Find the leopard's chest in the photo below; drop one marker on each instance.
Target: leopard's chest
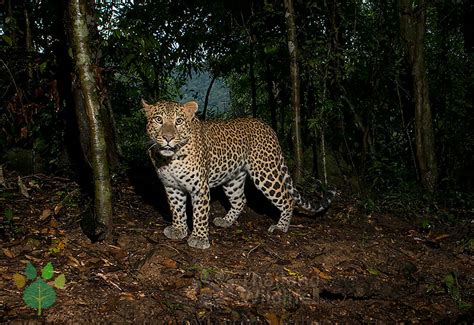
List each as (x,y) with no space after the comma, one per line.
(180,176)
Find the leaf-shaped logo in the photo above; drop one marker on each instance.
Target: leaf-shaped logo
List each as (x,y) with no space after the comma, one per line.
(60,281)
(30,271)
(19,280)
(48,271)
(39,295)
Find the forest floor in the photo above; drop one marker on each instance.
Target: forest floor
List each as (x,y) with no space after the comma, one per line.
(345,266)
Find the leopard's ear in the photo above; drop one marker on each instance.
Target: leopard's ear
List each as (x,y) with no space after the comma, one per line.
(146,107)
(190,109)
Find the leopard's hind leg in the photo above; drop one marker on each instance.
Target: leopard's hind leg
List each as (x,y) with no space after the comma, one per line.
(271,182)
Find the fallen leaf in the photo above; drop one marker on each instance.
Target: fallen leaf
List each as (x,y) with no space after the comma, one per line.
(322,275)
(169,263)
(46,213)
(58,208)
(8,253)
(373,271)
(126,296)
(206,291)
(201,314)
(272,319)
(73,261)
(190,292)
(290,272)
(57,245)
(54,223)
(32,183)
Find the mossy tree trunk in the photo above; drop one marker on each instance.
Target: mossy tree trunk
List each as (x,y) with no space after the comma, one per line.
(295,88)
(412,27)
(98,145)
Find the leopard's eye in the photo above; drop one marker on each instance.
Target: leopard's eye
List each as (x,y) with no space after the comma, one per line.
(179,121)
(158,120)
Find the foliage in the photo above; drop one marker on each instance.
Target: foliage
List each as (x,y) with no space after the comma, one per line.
(356,86)
(452,286)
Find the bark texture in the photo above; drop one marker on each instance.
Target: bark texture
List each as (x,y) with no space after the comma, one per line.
(412,27)
(295,88)
(98,146)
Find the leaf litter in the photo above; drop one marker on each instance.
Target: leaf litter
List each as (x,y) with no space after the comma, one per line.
(355,269)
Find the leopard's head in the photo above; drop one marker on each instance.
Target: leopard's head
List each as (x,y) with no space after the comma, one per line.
(169,124)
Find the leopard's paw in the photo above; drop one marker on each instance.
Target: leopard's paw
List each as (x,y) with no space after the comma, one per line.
(222,222)
(278,227)
(198,242)
(175,233)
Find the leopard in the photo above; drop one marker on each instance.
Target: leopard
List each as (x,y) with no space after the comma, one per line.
(198,155)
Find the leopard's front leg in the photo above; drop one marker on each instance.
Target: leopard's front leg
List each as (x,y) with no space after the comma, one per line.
(177,203)
(201,204)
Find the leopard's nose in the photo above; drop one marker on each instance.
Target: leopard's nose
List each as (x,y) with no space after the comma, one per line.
(168,137)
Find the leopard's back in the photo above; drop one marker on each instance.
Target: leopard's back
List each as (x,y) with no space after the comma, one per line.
(238,144)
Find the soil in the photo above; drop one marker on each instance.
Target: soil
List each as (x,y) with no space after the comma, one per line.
(343,266)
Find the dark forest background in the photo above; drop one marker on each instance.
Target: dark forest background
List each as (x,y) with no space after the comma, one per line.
(357,72)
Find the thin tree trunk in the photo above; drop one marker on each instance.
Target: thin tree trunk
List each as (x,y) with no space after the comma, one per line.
(253,84)
(271,96)
(412,26)
(29,41)
(98,146)
(323,155)
(295,88)
(206,99)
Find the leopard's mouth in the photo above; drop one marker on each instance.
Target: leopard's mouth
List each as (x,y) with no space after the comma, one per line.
(167,150)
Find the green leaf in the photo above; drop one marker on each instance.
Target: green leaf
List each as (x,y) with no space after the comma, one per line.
(373,271)
(48,271)
(30,271)
(19,280)
(39,295)
(60,281)
(204,275)
(8,213)
(449,280)
(7,39)
(42,66)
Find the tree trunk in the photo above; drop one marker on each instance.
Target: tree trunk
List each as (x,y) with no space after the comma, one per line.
(206,99)
(412,26)
(271,96)
(295,87)
(253,84)
(98,146)
(29,42)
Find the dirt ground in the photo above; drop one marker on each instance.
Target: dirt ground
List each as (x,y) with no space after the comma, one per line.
(344,266)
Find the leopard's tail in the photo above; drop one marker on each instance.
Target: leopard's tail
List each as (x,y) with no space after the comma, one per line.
(303,204)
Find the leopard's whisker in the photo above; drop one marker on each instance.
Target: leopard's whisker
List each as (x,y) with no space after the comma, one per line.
(154,144)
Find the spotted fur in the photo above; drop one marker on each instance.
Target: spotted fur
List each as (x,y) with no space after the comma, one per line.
(202,155)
